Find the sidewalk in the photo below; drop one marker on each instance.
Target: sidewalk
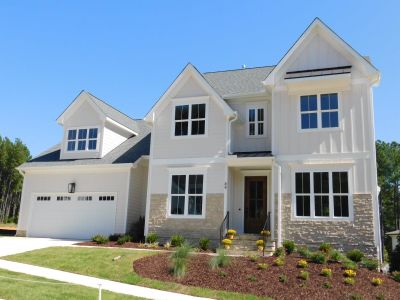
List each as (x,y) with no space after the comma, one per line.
(112,286)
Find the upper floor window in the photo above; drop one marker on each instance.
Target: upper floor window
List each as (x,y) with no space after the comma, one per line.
(187,195)
(322,194)
(255,122)
(190,119)
(319,111)
(82,139)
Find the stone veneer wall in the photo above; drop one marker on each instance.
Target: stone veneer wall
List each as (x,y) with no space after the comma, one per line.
(344,235)
(190,228)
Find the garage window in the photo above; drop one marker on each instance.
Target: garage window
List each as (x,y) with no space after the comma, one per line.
(63,198)
(84,198)
(106,198)
(43,198)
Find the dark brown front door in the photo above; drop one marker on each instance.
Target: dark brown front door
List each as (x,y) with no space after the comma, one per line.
(255,203)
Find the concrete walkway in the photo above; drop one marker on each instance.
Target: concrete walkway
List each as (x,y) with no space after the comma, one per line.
(112,286)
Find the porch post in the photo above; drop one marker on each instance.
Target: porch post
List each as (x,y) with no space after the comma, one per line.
(279,187)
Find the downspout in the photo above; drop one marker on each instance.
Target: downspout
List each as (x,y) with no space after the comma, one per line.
(279,205)
(235,117)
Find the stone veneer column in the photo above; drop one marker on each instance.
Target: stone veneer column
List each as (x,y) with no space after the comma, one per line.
(344,235)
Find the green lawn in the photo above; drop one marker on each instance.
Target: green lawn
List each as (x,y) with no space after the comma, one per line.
(19,288)
(99,263)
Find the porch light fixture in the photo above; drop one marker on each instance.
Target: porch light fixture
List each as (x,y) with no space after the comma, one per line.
(71,187)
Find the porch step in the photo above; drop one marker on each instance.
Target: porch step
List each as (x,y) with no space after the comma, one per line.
(247,242)
(232,252)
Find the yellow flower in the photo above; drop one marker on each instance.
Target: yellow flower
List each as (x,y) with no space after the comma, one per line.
(226,242)
(376,281)
(260,243)
(302,263)
(349,273)
(231,232)
(265,232)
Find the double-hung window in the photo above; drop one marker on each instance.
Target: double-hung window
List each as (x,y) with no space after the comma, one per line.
(82,139)
(256,121)
(319,111)
(322,194)
(190,119)
(187,195)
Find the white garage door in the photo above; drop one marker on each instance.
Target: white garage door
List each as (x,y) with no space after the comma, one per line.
(74,216)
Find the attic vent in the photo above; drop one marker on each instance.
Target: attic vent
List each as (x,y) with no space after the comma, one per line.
(318,72)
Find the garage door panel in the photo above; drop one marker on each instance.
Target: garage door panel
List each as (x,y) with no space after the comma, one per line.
(72,218)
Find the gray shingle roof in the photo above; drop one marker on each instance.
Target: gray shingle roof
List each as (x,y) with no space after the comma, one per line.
(113,113)
(238,82)
(128,152)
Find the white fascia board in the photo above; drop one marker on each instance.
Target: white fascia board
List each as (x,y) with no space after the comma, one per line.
(322,28)
(121,126)
(75,104)
(52,169)
(182,77)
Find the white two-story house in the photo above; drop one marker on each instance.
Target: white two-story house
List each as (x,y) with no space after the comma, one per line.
(289,146)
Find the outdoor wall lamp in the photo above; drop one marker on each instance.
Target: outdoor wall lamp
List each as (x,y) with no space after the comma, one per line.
(71,187)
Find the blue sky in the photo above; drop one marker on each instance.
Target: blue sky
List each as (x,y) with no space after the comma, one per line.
(128,52)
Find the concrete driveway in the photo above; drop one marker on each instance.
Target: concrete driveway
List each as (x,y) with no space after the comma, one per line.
(13,245)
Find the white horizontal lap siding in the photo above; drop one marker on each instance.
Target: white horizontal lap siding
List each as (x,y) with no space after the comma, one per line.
(87,182)
(213,144)
(111,140)
(241,142)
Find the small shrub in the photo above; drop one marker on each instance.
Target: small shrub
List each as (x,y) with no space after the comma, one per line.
(370,264)
(318,257)
(114,237)
(304,275)
(349,281)
(355,255)
(226,242)
(327,285)
(252,278)
(100,239)
(177,240)
(253,257)
(152,238)
(279,262)
(220,260)
(396,276)
(355,296)
(304,252)
(204,244)
(289,246)
(376,281)
(222,274)
(260,243)
(336,256)
(262,266)
(283,278)
(231,232)
(280,251)
(349,273)
(325,247)
(302,263)
(123,239)
(326,272)
(179,260)
(167,245)
(349,264)
(380,297)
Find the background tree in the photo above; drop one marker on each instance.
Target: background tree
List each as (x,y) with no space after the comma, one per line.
(12,154)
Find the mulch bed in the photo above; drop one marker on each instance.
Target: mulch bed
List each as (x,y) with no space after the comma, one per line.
(243,276)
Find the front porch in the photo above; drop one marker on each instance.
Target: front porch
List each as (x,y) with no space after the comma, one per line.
(252,184)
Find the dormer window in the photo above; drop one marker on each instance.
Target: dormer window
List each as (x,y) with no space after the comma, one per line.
(190,119)
(82,139)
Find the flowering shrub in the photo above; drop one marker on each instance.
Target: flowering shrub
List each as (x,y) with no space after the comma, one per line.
(265,233)
(226,242)
(280,261)
(231,232)
(260,243)
(325,247)
(304,275)
(262,266)
(376,281)
(326,272)
(349,273)
(302,263)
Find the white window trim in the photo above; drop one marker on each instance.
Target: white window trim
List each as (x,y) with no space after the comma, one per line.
(319,112)
(187,172)
(190,101)
(256,122)
(87,139)
(311,170)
